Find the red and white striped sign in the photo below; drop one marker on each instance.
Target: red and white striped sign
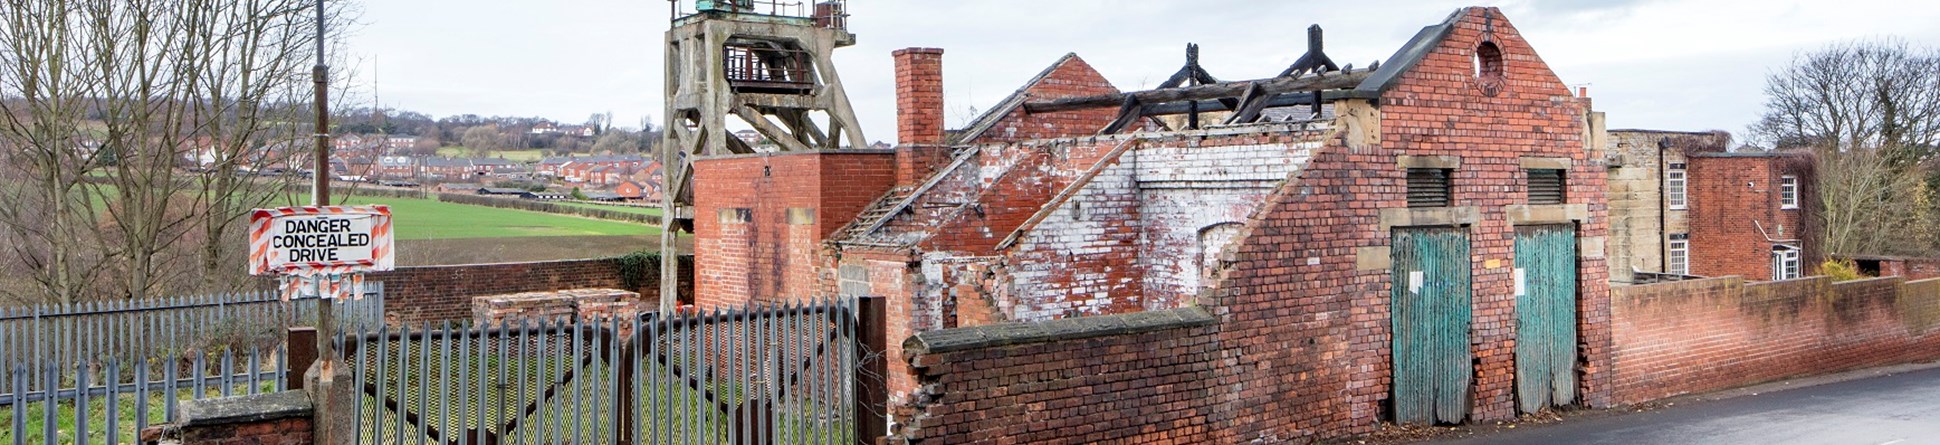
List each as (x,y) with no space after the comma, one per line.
(328,240)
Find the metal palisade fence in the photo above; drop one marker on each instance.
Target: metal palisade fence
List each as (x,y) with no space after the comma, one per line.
(785,374)
(100,372)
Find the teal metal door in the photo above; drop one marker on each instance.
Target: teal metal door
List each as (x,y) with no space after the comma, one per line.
(1431,314)
(1545,277)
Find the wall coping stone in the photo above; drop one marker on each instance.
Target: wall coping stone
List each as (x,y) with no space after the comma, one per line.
(1005,334)
(246,409)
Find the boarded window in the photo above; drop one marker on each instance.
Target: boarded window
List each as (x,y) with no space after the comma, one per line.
(1429,187)
(1213,241)
(1546,186)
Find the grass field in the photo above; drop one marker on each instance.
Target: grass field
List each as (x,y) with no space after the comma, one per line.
(426,219)
(510,155)
(649,211)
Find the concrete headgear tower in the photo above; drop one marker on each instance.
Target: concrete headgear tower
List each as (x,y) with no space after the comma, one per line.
(766,63)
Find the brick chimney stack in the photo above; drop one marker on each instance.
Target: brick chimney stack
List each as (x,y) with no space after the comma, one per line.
(919,96)
(919,115)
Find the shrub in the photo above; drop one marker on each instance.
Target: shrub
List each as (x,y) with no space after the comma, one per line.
(1841,270)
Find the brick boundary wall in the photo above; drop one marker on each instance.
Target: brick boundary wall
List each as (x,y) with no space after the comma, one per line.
(1145,378)
(282,418)
(1697,336)
(438,293)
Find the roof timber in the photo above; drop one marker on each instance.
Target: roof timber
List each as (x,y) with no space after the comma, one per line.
(1325,81)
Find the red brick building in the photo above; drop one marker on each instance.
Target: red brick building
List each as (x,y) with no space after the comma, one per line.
(1314,215)
(1751,215)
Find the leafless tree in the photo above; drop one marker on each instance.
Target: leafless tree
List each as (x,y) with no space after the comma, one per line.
(1866,95)
(105,105)
(1870,110)
(1871,207)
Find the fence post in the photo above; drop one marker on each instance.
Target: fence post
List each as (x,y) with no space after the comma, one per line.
(872,380)
(303,353)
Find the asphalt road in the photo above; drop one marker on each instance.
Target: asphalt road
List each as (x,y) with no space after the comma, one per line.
(1898,409)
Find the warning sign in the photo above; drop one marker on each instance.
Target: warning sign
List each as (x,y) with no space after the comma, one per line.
(320,240)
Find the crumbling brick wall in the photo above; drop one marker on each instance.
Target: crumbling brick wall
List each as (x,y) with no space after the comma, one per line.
(1706,335)
(1071,76)
(1302,297)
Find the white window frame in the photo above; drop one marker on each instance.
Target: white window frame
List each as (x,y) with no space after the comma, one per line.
(1678,257)
(1786,263)
(1675,191)
(1788,192)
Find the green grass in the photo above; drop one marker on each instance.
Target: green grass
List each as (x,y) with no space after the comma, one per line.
(648,211)
(426,219)
(510,155)
(65,416)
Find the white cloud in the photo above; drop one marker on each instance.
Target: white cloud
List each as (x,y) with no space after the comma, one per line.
(1691,64)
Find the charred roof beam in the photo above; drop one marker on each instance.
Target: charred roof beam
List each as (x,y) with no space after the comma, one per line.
(1315,60)
(1224,90)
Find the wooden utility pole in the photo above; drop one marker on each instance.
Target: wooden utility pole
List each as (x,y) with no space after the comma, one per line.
(331,403)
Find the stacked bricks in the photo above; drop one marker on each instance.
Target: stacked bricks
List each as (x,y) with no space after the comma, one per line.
(919,96)
(1697,336)
(760,221)
(555,306)
(1737,198)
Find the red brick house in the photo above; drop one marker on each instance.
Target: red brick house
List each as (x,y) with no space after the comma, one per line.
(630,190)
(1751,215)
(1455,189)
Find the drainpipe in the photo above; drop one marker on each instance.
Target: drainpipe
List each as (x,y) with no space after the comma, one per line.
(1663,205)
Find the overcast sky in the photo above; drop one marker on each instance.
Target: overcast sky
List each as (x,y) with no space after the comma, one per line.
(1677,65)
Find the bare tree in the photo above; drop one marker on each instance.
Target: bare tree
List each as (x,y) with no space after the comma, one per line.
(103,103)
(1870,207)
(1867,95)
(1870,110)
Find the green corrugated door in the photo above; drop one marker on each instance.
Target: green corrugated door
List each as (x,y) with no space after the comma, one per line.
(1432,366)
(1545,277)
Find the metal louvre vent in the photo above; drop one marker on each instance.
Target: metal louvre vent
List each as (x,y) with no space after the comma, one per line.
(1429,187)
(1546,186)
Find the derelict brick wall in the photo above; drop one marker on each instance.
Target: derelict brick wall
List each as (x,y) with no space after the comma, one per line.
(1071,77)
(438,293)
(790,202)
(1303,327)
(1295,290)
(1735,197)
(1083,257)
(1705,335)
(1143,387)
